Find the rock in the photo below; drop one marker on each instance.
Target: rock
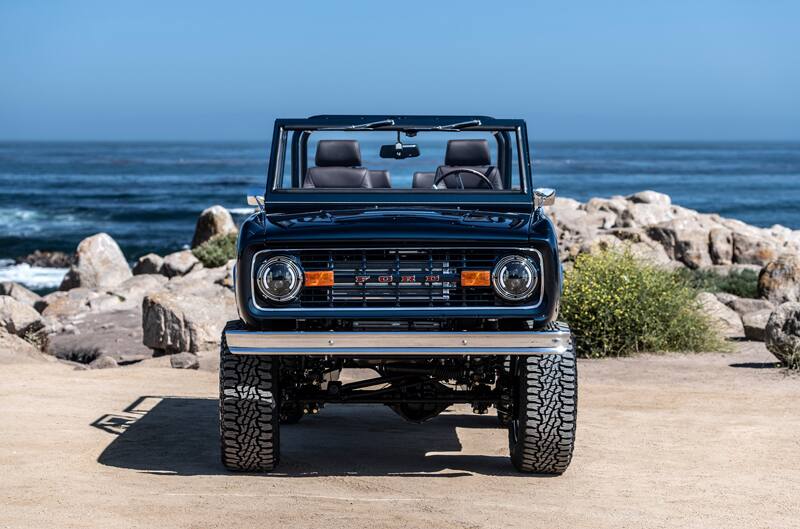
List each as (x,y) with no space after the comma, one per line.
(134,289)
(48,259)
(751,249)
(184,361)
(149,264)
(15,350)
(684,239)
(18,318)
(639,215)
(650,197)
(755,324)
(175,321)
(746,305)
(783,334)
(61,304)
(180,263)
(779,280)
(20,293)
(725,319)
(726,298)
(213,221)
(103,362)
(720,246)
(99,264)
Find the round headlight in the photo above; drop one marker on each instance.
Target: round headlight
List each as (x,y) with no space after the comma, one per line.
(514,277)
(279,278)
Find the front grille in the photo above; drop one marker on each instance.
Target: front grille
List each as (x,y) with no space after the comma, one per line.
(375,278)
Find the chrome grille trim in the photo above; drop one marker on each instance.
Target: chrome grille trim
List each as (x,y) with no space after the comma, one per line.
(394,287)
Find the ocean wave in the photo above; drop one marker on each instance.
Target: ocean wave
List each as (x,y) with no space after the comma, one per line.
(33,277)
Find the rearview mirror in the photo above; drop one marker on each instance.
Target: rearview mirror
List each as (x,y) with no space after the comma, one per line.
(399,151)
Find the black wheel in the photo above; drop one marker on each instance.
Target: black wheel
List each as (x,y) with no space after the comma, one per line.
(542,430)
(249,409)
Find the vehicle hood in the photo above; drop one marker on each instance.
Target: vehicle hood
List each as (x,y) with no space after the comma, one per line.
(375,226)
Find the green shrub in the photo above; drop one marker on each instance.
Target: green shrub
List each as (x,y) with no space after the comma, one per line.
(617,306)
(742,283)
(216,251)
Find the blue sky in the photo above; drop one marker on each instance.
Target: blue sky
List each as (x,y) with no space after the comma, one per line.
(701,70)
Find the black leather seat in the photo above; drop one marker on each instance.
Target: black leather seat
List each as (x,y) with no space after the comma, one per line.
(380,179)
(338,165)
(469,154)
(422,180)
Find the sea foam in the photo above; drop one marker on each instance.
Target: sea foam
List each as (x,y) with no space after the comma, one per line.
(33,277)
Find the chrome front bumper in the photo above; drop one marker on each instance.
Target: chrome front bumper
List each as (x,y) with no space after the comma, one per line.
(367,343)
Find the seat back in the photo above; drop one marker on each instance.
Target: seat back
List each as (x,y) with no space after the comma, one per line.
(337,166)
(380,179)
(422,180)
(469,154)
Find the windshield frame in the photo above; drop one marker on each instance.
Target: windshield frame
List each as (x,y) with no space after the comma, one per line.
(281,150)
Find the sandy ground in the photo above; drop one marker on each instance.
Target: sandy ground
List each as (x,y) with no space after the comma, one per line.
(707,441)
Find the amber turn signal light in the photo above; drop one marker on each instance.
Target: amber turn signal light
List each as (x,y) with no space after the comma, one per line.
(323,278)
(475,278)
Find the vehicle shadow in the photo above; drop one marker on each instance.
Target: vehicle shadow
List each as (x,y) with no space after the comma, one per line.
(179,435)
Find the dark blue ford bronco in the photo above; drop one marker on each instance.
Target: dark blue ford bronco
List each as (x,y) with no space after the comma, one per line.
(412,246)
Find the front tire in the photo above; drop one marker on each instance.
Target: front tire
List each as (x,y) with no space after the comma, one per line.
(249,409)
(542,429)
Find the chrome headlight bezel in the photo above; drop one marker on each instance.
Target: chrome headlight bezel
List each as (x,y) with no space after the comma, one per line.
(498,278)
(295,271)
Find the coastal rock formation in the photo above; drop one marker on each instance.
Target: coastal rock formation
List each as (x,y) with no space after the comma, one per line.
(18,318)
(99,263)
(149,264)
(745,306)
(177,321)
(180,263)
(184,361)
(783,333)
(755,324)
(213,221)
(45,259)
(650,221)
(20,293)
(725,319)
(779,281)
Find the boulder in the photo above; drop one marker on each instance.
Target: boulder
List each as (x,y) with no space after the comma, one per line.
(213,221)
(62,304)
(99,264)
(175,321)
(726,298)
(755,324)
(749,248)
(15,350)
(685,239)
(18,292)
(44,259)
(746,305)
(783,334)
(180,263)
(650,197)
(779,280)
(640,214)
(17,317)
(103,362)
(720,246)
(148,264)
(137,287)
(724,319)
(184,361)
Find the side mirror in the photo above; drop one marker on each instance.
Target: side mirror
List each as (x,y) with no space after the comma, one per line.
(543,196)
(399,151)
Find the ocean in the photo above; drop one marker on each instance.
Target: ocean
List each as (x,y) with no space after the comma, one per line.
(148,195)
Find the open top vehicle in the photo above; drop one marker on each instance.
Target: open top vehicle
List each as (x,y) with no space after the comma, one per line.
(414,246)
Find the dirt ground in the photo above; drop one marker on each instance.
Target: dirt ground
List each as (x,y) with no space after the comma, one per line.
(706,441)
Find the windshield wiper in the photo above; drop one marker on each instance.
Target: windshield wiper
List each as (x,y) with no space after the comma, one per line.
(459,126)
(374,124)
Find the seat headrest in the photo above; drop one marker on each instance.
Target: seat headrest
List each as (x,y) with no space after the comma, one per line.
(338,153)
(468,152)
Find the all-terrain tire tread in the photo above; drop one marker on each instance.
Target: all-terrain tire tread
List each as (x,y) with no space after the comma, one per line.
(248,410)
(546,413)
